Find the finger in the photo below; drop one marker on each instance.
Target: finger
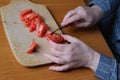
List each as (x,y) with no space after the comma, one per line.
(65,67)
(59,47)
(82,24)
(55,59)
(59,68)
(70,38)
(69,14)
(71,19)
(56,52)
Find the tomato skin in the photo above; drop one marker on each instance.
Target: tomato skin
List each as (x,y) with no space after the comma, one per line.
(32,47)
(41,29)
(25,12)
(27,24)
(39,19)
(32,26)
(34,21)
(55,37)
(31,19)
(30,16)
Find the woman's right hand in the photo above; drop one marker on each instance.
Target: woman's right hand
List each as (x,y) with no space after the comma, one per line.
(83,16)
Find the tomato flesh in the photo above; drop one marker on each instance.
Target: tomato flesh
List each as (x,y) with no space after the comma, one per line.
(35,22)
(41,29)
(31,19)
(24,12)
(55,37)
(32,47)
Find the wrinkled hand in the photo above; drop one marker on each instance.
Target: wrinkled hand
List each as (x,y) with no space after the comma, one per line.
(73,55)
(83,16)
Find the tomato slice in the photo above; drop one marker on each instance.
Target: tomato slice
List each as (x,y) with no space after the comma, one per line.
(30,16)
(32,47)
(39,19)
(41,29)
(48,34)
(55,37)
(33,23)
(24,12)
(27,24)
(32,26)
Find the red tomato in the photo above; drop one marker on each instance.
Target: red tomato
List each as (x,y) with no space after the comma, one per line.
(32,47)
(30,16)
(39,19)
(32,26)
(27,24)
(55,37)
(41,29)
(48,34)
(33,23)
(24,12)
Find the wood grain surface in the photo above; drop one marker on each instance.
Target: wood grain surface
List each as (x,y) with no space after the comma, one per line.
(10,69)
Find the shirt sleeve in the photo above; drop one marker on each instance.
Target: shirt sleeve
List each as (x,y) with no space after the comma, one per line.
(108,69)
(108,6)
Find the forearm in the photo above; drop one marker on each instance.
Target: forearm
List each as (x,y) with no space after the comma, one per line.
(94,61)
(96,13)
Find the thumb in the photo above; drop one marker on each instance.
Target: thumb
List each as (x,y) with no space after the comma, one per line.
(69,38)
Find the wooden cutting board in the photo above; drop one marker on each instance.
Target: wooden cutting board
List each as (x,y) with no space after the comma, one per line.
(20,38)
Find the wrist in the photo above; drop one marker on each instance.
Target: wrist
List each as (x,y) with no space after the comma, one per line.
(93,61)
(96,13)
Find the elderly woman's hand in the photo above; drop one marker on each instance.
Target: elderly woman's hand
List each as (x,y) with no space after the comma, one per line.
(83,16)
(73,55)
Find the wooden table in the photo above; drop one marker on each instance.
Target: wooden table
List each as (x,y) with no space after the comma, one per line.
(11,70)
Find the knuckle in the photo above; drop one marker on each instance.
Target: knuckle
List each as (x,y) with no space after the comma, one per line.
(70,12)
(83,13)
(80,8)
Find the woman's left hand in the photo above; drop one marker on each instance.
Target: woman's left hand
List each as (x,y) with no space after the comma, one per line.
(73,55)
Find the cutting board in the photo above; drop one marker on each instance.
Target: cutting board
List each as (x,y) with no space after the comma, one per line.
(19,36)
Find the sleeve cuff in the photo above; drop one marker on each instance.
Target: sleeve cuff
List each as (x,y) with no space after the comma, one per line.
(105,67)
